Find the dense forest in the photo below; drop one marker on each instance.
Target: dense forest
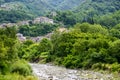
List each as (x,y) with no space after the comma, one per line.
(75,10)
(90,39)
(84,46)
(94,12)
(40,7)
(13,16)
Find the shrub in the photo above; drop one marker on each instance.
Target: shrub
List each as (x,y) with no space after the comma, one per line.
(87,64)
(4,67)
(71,61)
(97,66)
(115,67)
(58,61)
(21,67)
(16,77)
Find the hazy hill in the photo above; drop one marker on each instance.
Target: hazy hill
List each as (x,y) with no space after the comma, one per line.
(84,10)
(98,7)
(41,6)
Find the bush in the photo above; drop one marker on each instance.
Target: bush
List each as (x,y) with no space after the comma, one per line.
(21,67)
(4,67)
(71,61)
(16,77)
(87,64)
(115,67)
(97,66)
(58,61)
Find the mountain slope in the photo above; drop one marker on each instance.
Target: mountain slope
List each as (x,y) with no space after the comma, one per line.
(64,4)
(94,12)
(102,6)
(84,10)
(40,7)
(92,9)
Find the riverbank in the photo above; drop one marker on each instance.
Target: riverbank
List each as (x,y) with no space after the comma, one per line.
(50,72)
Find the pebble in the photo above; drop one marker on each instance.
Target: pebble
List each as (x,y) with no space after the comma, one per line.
(50,72)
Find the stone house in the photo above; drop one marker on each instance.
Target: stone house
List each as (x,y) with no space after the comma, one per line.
(43,20)
(23,23)
(7,25)
(21,37)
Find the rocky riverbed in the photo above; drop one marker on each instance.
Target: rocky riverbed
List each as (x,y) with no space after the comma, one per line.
(50,72)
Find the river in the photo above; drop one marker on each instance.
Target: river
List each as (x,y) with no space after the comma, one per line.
(50,72)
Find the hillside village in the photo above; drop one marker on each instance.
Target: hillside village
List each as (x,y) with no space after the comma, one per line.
(27,22)
(22,38)
(38,38)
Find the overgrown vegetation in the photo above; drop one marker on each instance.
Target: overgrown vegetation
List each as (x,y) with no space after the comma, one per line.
(11,67)
(16,77)
(13,16)
(91,41)
(34,30)
(84,46)
(39,7)
(70,18)
(92,11)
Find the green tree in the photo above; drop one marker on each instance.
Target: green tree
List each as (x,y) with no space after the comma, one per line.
(115,31)
(8,48)
(114,50)
(45,45)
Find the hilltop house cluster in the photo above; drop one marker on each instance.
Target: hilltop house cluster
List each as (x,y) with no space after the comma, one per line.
(27,22)
(22,38)
(43,20)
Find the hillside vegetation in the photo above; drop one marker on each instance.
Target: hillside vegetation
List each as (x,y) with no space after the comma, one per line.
(102,12)
(90,38)
(39,7)
(13,16)
(81,11)
(11,67)
(84,46)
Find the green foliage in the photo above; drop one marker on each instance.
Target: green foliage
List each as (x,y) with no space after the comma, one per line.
(39,7)
(28,43)
(37,52)
(5,16)
(71,61)
(66,18)
(109,20)
(91,11)
(9,61)
(8,48)
(115,31)
(90,46)
(45,45)
(115,67)
(84,46)
(16,77)
(114,50)
(104,12)
(37,29)
(100,12)
(86,27)
(21,67)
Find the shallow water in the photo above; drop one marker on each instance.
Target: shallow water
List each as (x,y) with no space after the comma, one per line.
(50,72)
